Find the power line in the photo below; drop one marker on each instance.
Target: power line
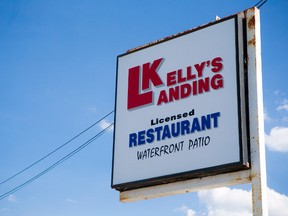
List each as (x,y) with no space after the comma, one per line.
(56,164)
(41,159)
(260,3)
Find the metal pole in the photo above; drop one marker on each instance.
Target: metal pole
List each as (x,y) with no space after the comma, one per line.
(257,142)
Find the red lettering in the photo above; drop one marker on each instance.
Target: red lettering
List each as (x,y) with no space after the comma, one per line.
(216,64)
(135,99)
(185,90)
(203,85)
(150,74)
(190,76)
(171,78)
(140,93)
(217,81)
(162,98)
(194,86)
(200,68)
(179,76)
(174,93)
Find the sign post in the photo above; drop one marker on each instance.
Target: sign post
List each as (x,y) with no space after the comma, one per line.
(189,113)
(256,113)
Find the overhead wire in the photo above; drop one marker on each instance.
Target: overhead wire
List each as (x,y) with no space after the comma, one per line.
(260,3)
(56,163)
(52,152)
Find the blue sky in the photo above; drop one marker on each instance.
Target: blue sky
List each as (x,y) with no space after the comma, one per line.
(57,77)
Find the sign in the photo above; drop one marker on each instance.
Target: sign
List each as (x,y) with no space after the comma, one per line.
(180,108)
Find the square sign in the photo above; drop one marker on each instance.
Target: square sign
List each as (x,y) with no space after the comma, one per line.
(180,109)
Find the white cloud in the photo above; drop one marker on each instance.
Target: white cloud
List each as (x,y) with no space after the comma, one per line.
(11,198)
(190,212)
(279,93)
(226,201)
(236,202)
(104,124)
(277,140)
(266,116)
(71,201)
(283,107)
(278,203)
(187,211)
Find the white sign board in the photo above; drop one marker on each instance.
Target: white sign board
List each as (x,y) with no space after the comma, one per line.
(179,109)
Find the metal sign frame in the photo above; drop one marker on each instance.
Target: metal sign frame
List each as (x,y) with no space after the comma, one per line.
(229,137)
(250,20)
